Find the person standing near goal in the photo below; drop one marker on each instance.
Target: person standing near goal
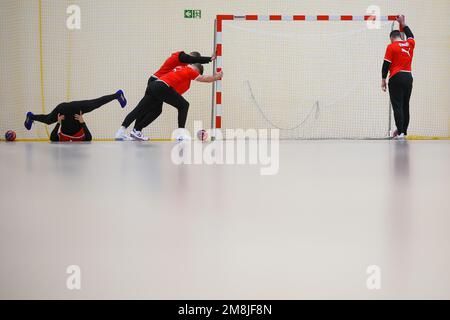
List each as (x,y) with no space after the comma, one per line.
(177,59)
(169,89)
(397,62)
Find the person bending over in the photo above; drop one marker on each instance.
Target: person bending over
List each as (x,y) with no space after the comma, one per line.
(83,134)
(177,59)
(397,62)
(169,89)
(69,117)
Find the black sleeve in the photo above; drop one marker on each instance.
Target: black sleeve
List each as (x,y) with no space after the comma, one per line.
(385,69)
(408,32)
(54,135)
(185,58)
(87,133)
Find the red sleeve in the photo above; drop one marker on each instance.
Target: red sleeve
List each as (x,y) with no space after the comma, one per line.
(412,42)
(389,54)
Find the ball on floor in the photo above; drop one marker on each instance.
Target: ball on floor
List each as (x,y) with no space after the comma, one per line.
(10,135)
(202,135)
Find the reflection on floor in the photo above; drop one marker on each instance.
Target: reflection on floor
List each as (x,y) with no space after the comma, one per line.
(140,226)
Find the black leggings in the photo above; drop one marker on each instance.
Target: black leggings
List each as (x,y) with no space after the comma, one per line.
(157,93)
(69,125)
(140,111)
(400,89)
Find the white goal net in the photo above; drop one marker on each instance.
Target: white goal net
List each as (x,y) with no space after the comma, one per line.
(310,79)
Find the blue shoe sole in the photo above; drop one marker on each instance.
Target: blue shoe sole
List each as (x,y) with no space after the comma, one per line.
(121,99)
(28,122)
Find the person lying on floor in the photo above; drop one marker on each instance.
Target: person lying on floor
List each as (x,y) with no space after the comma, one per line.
(69,117)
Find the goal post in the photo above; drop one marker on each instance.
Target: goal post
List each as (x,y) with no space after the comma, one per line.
(311,76)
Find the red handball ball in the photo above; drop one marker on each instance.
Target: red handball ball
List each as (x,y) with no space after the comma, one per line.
(202,135)
(10,135)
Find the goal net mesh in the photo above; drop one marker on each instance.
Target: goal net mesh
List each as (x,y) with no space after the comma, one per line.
(310,79)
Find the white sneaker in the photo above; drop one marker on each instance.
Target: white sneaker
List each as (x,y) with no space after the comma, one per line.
(138,135)
(183,137)
(181,134)
(394,133)
(400,137)
(121,134)
(126,137)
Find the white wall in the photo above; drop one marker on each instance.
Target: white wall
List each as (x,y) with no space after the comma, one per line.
(122,42)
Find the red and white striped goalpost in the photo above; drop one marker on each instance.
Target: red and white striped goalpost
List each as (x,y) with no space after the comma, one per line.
(217,108)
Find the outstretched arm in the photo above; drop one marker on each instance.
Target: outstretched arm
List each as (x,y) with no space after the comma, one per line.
(402,21)
(186,58)
(408,32)
(208,78)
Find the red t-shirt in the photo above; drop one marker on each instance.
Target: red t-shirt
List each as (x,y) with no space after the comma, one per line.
(171,63)
(180,78)
(79,136)
(400,55)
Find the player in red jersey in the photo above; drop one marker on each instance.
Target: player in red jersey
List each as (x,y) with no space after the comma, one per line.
(169,89)
(181,59)
(177,59)
(69,117)
(397,62)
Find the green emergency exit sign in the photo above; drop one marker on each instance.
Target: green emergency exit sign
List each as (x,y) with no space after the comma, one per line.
(192,14)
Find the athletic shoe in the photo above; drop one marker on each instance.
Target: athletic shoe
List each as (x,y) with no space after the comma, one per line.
(28,121)
(181,134)
(183,137)
(121,98)
(395,133)
(121,135)
(400,137)
(127,137)
(138,135)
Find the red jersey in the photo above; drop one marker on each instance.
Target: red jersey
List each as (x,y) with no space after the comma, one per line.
(180,78)
(79,136)
(400,55)
(171,63)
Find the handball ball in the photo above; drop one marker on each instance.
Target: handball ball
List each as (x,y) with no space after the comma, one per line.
(10,135)
(202,135)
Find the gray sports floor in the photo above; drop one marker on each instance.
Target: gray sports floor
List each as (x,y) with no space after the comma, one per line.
(140,227)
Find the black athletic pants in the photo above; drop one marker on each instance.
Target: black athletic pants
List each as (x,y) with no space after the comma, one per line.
(139,112)
(71,126)
(156,94)
(400,89)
